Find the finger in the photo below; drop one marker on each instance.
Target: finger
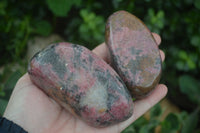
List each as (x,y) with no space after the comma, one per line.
(162,54)
(102,51)
(143,105)
(157,38)
(23,82)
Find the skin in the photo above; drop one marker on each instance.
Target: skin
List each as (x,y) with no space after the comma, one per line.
(33,110)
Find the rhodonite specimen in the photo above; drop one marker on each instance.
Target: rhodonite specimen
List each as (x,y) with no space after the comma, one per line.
(134,53)
(82,83)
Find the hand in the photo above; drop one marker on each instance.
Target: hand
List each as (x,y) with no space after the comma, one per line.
(33,110)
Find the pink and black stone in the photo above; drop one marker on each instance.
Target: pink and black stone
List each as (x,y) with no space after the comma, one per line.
(82,83)
(134,53)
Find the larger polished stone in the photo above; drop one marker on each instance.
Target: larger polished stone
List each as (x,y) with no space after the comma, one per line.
(134,53)
(82,83)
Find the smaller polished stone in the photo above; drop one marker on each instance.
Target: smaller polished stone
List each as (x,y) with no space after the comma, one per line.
(134,53)
(82,83)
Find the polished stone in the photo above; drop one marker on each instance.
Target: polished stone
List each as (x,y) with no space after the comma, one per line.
(134,53)
(82,83)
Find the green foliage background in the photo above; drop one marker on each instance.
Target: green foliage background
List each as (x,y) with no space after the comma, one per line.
(83,22)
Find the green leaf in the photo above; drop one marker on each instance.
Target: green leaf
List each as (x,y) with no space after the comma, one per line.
(61,7)
(129,129)
(173,119)
(140,121)
(43,28)
(155,20)
(187,61)
(191,64)
(182,116)
(3,5)
(144,129)
(183,55)
(149,127)
(92,27)
(190,87)
(170,124)
(191,122)
(195,41)
(116,3)
(3,104)
(155,111)
(2,93)
(181,65)
(197,4)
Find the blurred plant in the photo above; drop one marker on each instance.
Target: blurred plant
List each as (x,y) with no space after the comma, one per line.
(19,20)
(92,28)
(186,61)
(190,87)
(62,7)
(8,78)
(155,21)
(172,123)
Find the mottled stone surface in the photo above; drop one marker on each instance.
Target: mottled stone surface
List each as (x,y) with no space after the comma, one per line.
(134,53)
(82,83)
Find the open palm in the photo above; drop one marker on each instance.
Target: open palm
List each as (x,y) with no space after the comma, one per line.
(33,110)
